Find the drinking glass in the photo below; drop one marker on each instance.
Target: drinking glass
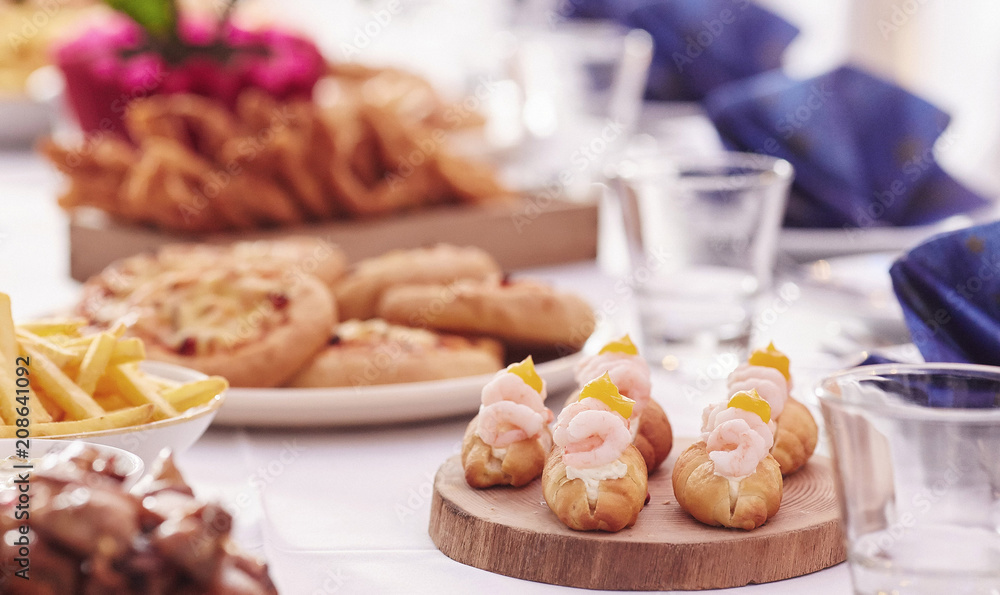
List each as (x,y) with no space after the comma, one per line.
(702,239)
(917,453)
(580,94)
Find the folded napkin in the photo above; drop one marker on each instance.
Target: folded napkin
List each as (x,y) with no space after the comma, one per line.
(949,288)
(698,44)
(861,147)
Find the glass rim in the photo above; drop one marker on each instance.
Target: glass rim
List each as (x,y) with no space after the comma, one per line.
(759,165)
(930,414)
(605,31)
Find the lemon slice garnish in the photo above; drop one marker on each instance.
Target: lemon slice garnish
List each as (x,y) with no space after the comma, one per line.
(752,402)
(770,358)
(525,369)
(606,392)
(623,345)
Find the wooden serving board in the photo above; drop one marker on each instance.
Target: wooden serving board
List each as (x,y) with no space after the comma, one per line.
(533,232)
(511,531)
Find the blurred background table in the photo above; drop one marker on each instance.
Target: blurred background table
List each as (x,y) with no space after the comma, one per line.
(346,510)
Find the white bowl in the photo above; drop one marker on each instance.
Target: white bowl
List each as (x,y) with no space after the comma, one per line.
(176,433)
(126,464)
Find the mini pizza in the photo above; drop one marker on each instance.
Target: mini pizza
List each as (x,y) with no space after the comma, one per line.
(359,292)
(106,296)
(298,255)
(362,353)
(522,313)
(246,324)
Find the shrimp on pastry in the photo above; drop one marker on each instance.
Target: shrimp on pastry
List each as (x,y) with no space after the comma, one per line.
(728,478)
(506,443)
(594,478)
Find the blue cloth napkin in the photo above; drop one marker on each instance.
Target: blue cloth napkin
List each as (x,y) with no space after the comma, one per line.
(949,289)
(861,147)
(697,44)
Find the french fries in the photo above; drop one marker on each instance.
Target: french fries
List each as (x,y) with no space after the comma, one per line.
(65,382)
(95,362)
(57,326)
(8,342)
(138,391)
(194,393)
(132,416)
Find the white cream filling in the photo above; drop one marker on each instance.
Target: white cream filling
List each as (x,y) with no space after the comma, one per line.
(498,453)
(593,476)
(634,426)
(734,488)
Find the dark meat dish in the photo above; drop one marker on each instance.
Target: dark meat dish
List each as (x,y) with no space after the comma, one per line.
(89,535)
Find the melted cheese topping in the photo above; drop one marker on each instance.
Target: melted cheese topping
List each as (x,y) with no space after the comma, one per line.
(200,314)
(377,331)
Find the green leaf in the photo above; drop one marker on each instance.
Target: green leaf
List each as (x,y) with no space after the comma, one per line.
(158,17)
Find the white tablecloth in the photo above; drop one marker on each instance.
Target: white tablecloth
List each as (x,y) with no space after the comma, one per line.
(346,510)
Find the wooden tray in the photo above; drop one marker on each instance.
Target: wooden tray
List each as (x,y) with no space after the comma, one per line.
(537,231)
(511,531)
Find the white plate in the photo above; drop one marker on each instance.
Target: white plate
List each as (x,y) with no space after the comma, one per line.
(129,465)
(23,121)
(859,288)
(374,405)
(805,244)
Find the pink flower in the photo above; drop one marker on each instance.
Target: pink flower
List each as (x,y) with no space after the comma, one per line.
(109,65)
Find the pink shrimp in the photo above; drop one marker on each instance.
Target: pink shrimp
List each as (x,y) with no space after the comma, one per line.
(708,416)
(715,415)
(503,423)
(769,383)
(752,419)
(591,437)
(735,448)
(559,432)
(630,373)
(510,387)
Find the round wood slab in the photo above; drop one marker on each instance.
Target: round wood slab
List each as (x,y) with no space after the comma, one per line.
(511,531)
